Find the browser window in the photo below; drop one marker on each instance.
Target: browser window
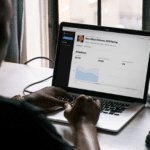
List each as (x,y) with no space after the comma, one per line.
(108,62)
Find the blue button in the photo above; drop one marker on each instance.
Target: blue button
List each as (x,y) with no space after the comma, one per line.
(67,38)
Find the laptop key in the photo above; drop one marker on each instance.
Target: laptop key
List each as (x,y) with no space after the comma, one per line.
(105,112)
(65,99)
(111,113)
(116,114)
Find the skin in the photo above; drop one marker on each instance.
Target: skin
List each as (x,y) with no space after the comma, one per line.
(83,116)
(84,113)
(46,98)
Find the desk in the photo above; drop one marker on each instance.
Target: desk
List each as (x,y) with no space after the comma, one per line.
(14,77)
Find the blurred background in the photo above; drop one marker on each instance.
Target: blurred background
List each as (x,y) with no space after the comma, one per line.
(114,13)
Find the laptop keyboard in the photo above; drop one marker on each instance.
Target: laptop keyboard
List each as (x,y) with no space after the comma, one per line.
(107,107)
(113,108)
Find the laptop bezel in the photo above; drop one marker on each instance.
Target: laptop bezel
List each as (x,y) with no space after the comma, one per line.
(99,94)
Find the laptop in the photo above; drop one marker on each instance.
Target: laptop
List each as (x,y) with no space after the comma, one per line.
(109,64)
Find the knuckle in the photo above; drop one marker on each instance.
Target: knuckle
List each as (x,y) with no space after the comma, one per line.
(82,96)
(89,98)
(98,102)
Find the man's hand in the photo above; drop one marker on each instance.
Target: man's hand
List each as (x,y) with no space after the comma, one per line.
(46,98)
(83,116)
(84,109)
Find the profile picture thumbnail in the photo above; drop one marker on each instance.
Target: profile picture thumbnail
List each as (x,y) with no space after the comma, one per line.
(80,38)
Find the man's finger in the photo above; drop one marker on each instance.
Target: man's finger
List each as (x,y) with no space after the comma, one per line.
(61,92)
(67,110)
(98,102)
(67,107)
(58,102)
(79,100)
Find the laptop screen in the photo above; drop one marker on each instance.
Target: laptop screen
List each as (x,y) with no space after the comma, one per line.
(102,61)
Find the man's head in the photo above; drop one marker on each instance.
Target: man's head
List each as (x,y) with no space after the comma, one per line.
(5,18)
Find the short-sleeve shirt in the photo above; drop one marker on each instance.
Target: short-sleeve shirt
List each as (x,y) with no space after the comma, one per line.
(24,126)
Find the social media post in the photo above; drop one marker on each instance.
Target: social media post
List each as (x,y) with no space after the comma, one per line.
(108,68)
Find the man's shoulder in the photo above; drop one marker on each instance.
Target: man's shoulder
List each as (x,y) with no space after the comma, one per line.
(9,105)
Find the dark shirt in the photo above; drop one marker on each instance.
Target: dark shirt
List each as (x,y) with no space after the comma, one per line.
(23,126)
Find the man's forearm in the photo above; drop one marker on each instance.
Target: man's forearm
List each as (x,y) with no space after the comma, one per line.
(86,137)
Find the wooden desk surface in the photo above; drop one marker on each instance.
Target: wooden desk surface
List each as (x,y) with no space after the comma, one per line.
(14,78)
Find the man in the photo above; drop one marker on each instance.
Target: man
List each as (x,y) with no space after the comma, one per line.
(22,125)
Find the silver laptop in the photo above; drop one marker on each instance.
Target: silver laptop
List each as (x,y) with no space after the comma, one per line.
(106,63)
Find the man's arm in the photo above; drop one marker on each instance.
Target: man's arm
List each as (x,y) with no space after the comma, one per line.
(86,137)
(84,116)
